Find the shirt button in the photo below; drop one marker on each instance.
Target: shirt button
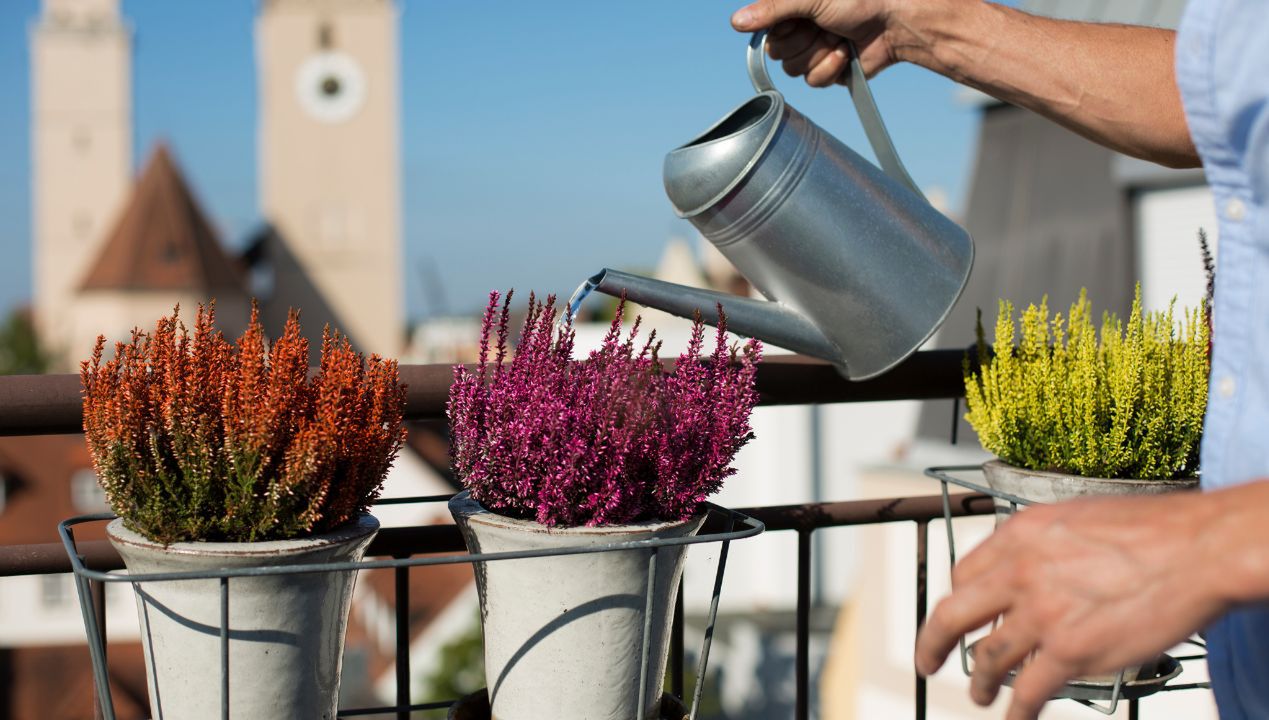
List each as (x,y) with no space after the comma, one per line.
(1226,387)
(1235,210)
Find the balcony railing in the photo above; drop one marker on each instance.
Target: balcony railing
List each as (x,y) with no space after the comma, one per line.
(44,404)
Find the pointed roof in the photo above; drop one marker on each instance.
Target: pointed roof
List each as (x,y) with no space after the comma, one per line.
(163,240)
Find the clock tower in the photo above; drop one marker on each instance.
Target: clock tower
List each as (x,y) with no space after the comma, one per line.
(329,178)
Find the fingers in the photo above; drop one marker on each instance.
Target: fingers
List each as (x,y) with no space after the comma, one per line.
(830,69)
(1001,546)
(1036,685)
(765,13)
(996,655)
(808,51)
(809,60)
(795,38)
(964,610)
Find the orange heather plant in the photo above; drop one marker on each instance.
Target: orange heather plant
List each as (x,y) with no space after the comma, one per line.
(198,438)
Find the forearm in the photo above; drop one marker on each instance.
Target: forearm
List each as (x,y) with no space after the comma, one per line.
(1114,84)
(1237,545)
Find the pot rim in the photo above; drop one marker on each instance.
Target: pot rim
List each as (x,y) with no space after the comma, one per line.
(1178,482)
(477,514)
(361,526)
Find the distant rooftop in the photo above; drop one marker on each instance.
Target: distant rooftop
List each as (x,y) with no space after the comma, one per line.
(1157,13)
(163,240)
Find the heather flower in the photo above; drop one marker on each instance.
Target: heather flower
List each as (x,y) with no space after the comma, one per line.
(611,440)
(1123,400)
(198,438)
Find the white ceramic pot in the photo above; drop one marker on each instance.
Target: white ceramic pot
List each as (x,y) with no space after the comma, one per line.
(286,632)
(1039,486)
(564,635)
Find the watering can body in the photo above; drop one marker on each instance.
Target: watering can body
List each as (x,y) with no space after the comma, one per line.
(857,267)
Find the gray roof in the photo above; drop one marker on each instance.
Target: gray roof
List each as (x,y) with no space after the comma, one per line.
(1158,13)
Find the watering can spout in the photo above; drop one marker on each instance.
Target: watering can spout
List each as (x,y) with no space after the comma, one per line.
(768,321)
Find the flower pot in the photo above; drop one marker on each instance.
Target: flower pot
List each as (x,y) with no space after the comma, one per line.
(1039,486)
(564,634)
(286,632)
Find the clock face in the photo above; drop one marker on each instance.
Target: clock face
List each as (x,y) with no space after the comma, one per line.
(330,86)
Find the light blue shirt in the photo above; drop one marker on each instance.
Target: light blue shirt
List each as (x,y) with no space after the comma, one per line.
(1222,67)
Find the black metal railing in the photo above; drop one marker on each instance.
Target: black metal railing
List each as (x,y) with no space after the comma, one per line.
(44,404)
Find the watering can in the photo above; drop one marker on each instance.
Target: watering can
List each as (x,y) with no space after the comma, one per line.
(856,265)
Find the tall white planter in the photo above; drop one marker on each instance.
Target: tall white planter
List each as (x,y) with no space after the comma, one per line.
(286,632)
(564,634)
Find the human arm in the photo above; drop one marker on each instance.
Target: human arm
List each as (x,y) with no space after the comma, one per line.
(1094,585)
(1113,84)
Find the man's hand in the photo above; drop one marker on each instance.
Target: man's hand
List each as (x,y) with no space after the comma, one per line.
(1113,84)
(810,35)
(1090,587)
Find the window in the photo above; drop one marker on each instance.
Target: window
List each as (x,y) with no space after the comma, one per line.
(86,494)
(55,590)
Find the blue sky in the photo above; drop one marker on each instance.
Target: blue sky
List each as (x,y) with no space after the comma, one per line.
(532,133)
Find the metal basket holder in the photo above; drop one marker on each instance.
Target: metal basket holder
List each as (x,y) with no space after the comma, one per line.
(737,527)
(1090,694)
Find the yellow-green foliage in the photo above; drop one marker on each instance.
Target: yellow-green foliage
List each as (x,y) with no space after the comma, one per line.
(1127,403)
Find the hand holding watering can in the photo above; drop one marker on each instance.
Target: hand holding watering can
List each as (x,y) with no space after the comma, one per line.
(809,36)
(857,267)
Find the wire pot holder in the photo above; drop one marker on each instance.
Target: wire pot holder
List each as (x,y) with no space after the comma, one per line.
(1101,696)
(735,526)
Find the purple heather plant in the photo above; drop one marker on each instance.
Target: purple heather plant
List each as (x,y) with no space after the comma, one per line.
(612,440)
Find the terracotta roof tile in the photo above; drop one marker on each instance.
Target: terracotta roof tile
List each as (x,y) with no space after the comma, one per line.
(57,682)
(163,240)
(38,473)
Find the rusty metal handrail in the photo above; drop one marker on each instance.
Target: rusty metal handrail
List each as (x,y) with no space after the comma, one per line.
(50,404)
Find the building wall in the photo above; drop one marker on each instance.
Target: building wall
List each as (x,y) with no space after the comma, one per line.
(81,128)
(114,313)
(329,174)
(1166,222)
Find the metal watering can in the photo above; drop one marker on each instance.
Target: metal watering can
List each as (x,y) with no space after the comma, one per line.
(856,265)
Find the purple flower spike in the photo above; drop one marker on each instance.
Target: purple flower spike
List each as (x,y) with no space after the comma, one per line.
(610,440)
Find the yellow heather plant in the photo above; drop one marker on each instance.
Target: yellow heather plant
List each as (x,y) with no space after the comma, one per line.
(1125,402)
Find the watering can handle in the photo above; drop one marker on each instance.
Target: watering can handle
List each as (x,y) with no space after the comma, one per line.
(869,116)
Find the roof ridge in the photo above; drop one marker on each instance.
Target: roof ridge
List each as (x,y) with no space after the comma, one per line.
(162,239)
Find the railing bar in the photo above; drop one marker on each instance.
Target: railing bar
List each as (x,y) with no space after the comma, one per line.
(104,704)
(752,527)
(922,603)
(390,709)
(708,640)
(44,558)
(676,645)
(98,589)
(1172,687)
(224,648)
(803,668)
(647,630)
(46,404)
(401,577)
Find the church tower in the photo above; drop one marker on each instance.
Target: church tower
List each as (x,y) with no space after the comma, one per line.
(329,168)
(81,151)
